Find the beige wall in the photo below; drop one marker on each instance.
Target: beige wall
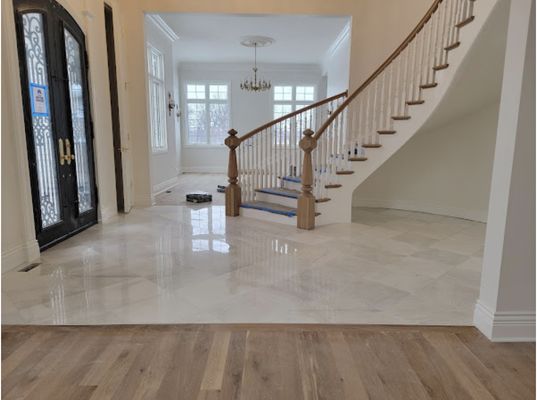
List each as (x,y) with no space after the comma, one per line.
(445,170)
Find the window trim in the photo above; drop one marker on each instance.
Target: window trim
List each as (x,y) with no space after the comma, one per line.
(153,78)
(184,97)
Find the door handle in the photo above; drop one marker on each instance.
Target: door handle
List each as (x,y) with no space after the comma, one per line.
(61,151)
(68,156)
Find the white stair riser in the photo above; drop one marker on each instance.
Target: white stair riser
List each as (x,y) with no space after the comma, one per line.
(272,198)
(292,185)
(267,216)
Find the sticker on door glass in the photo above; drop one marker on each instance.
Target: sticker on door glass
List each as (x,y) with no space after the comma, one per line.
(39,100)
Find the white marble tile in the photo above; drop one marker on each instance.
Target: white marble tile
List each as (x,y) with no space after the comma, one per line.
(177,263)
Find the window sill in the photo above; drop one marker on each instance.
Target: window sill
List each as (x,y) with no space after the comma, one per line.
(157,152)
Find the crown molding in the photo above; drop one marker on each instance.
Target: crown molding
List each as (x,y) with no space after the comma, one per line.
(163,26)
(339,39)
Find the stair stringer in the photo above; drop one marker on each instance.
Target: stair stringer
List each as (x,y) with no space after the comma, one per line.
(339,209)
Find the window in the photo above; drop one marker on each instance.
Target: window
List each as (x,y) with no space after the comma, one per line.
(157,99)
(207,109)
(290,98)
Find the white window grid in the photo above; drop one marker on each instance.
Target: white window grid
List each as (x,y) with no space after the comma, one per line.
(206,98)
(157,99)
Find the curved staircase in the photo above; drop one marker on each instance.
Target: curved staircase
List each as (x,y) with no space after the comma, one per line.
(302,168)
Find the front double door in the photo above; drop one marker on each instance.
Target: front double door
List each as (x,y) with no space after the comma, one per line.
(53,69)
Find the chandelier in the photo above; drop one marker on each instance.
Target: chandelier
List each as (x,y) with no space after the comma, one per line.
(254,85)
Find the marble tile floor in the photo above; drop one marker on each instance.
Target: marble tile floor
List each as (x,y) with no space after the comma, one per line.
(181,264)
(188,183)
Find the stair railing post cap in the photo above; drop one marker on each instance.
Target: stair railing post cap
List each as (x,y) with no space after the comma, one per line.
(308,143)
(232,141)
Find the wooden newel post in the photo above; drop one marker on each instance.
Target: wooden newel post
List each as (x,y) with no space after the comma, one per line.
(233,190)
(306,200)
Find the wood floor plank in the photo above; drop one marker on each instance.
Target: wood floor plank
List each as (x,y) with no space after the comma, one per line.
(352,385)
(80,353)
(444,344)
(256,362)
(394,370)
(231,385)
(433,372)
(509,361)
(317,357)
(214,371)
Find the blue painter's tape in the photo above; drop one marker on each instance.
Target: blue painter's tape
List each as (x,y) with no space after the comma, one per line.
(295,179)
(268,209)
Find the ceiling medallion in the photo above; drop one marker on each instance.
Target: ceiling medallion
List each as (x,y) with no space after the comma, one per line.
(253,85)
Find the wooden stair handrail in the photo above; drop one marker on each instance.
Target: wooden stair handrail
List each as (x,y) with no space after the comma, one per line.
(379,70)
(292,114)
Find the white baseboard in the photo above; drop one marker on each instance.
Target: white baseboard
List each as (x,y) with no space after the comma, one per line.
(20,255)
(474,215)
(163,186)
(204,170)
(107,214)
(505,326)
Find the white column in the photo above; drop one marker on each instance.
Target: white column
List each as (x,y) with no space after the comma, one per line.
(505,310)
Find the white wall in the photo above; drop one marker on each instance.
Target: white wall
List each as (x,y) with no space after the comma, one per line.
(444,170)
(336,63)
(505,310)
(248,110)
(165,166)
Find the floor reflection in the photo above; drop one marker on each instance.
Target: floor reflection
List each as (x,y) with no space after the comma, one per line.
(180,264)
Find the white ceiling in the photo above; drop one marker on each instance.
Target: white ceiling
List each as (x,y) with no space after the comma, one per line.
(299,39)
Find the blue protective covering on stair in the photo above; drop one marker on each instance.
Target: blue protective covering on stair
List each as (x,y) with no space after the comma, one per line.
(254,206)
(279,192)
(295,179)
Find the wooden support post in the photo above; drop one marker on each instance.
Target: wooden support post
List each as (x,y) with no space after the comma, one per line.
(306,200)
(233,190)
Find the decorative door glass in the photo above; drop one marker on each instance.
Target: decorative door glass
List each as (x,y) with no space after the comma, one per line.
(76,96)
(45,156)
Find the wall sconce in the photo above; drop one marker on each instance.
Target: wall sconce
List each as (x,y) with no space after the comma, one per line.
(171,104)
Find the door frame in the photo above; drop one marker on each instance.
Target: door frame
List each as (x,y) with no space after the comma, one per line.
(114,105)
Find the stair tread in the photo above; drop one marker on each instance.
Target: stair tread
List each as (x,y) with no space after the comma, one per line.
(429,85)
(270,207)
(440,67)
(465,22)
(452,46)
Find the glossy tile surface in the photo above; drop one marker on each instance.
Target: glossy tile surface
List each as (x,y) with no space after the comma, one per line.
(186,264)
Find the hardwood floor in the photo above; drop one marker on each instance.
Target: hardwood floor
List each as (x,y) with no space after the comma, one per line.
(274,362)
